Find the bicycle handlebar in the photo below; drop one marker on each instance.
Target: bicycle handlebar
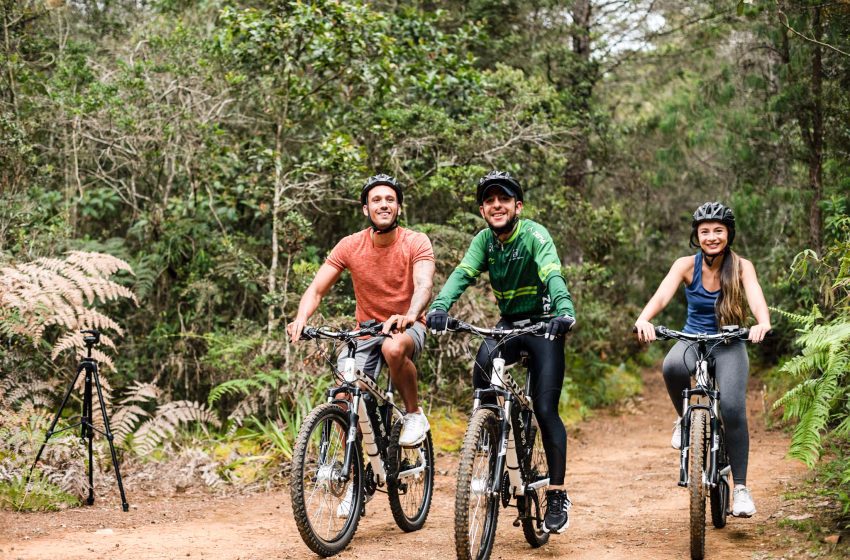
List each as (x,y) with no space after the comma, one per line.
(369,328)
(733,333)
(457,325)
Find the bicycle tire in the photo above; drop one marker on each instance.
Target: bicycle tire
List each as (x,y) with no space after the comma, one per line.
(410,514)
(477,457)
(696,486)
(532,502)
(312,475)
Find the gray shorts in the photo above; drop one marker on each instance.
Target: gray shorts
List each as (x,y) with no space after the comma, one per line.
(368,357)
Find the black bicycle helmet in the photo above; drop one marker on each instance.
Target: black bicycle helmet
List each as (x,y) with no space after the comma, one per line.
(713,212)
(381,179)
(502,179)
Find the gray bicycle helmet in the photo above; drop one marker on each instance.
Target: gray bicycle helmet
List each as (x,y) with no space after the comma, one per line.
(501,178)
(381,179)
(713,212)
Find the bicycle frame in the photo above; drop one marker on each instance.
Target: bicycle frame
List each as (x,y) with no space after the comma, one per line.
(705,390)
(506,391)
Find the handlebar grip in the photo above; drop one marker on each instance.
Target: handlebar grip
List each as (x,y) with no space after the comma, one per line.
(452,323)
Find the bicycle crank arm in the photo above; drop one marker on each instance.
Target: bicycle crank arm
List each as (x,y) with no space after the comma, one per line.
(539,484)
(411,472)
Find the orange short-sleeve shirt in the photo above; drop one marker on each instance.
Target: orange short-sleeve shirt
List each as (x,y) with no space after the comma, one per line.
(382,276)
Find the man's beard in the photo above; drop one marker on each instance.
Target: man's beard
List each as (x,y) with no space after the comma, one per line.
(509,225)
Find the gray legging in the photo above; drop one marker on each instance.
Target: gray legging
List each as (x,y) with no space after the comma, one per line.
(732,370)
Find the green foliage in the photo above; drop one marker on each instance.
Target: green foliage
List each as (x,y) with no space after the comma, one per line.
(39,495)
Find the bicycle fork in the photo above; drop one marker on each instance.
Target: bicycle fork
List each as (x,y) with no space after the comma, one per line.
(713,398)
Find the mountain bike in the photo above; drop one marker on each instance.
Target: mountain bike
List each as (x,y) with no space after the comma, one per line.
(328,482)
(704,463)
(502,457)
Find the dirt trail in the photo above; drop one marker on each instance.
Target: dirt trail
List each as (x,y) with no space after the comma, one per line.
(621,474)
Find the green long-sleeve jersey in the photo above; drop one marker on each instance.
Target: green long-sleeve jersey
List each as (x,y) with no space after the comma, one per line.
(525,273)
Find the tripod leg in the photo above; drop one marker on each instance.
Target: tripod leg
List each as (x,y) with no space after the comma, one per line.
(53,423)
(109,437)
(88,429)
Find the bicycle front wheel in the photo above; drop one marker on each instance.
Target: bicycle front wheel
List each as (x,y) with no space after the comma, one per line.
(476,506)
(696,482)
(325,503)
(410,483)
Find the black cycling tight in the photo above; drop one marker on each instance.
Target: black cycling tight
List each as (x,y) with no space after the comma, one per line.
(546,365)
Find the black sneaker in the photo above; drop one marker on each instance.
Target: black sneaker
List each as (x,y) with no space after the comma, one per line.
(557,512)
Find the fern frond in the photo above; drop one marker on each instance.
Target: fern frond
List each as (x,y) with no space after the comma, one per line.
(98,264)
(168,418)
(805,320)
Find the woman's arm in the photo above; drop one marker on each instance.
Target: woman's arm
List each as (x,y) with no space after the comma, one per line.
(755,299)
(663,295)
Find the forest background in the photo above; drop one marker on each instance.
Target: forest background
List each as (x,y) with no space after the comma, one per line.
(218,147)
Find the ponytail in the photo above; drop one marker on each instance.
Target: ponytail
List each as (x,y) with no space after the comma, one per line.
(729,308)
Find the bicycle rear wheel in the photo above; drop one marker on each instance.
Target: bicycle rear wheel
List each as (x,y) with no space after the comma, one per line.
(719,495)
(326,508)
(696,482)
(531,505)
(476,508)
(410,483)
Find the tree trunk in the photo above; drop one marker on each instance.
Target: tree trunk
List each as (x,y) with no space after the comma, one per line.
(276,203)
(582,86)
(816,139)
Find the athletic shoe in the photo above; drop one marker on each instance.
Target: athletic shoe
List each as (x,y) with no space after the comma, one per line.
(742,505)
(414,430)
(558,506)
(344,507)
(676,440)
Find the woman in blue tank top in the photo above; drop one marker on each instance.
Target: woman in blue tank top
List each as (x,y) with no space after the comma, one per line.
(717,282)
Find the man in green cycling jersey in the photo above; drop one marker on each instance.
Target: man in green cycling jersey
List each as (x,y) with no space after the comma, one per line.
(525,274)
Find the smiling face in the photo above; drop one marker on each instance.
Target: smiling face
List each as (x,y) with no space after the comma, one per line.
(498,209)
(713,237)
(381,206)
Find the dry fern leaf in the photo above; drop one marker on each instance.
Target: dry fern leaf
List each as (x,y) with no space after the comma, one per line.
(168,418)
(98,264)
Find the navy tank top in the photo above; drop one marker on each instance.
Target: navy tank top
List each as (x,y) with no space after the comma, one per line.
(701,318)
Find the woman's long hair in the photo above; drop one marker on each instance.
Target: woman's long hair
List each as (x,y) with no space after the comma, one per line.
(729,308)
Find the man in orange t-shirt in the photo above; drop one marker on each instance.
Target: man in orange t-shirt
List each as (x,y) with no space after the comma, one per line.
(392,269)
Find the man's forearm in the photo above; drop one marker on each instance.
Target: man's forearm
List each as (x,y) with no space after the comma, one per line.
(423,281)
(419,301)
(308,305)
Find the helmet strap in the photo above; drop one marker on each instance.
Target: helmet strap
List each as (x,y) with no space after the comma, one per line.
(386,229)
(389,228)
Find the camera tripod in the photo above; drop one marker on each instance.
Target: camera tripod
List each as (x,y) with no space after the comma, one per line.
(87,429)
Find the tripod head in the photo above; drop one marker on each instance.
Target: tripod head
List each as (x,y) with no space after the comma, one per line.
(91,339)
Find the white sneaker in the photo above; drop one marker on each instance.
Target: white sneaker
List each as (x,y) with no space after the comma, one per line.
(344,507)
(676,440)
(742,502)
(415,428)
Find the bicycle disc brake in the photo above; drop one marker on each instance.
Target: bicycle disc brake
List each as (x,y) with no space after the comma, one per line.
(506,490)
(370,484)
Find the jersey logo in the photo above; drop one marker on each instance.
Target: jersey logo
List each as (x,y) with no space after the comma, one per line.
(547,304)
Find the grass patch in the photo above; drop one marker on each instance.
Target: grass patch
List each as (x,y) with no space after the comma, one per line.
(448,426)
(41,495)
